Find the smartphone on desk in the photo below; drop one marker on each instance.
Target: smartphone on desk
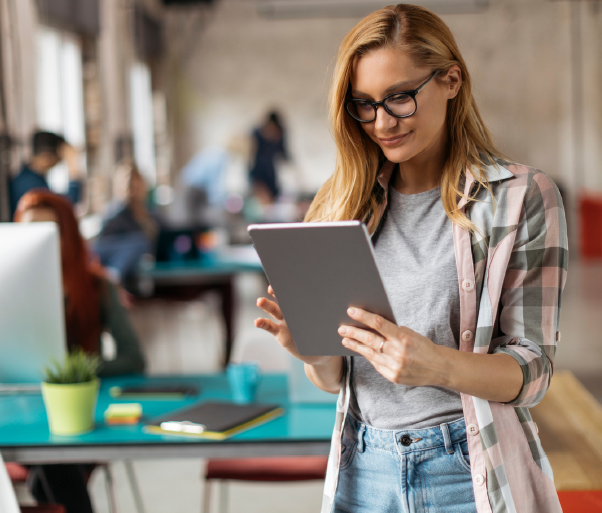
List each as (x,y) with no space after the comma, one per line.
(155,392)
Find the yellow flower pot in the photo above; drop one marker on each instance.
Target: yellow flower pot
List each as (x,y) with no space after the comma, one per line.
(70,407)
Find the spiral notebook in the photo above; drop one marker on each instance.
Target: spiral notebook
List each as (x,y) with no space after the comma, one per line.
(213,420)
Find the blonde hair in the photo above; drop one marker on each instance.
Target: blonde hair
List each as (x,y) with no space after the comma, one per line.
(351,192)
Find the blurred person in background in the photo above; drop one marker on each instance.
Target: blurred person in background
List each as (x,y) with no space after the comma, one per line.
(269,143)
(203,179)
(129,230)
(92,307)
(48,149)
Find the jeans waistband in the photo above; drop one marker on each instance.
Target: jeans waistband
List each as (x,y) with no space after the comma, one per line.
(407,440)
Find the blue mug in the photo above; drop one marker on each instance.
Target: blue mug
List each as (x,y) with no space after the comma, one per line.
(243,379)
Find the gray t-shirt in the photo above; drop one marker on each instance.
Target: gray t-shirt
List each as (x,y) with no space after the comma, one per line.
(415,256)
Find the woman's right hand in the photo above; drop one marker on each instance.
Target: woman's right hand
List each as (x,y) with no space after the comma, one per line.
(324,371)
(279,329)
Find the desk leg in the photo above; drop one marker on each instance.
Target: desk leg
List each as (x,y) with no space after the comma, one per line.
(129,467)
(110,488)
(227,293)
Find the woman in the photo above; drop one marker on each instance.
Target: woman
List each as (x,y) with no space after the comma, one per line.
(433,414)
(129,231)
(269,143)
(91,307)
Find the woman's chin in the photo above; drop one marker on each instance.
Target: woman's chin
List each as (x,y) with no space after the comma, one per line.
(397,155)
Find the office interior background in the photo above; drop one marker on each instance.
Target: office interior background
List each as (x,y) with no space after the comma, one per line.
(160,81)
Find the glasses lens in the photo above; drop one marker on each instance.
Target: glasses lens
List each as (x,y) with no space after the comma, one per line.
(361,111)
(401,105)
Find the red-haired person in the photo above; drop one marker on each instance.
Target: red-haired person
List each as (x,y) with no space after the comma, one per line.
(92,307)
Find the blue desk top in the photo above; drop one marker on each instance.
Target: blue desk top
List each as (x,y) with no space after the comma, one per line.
(228,260)
(23,420)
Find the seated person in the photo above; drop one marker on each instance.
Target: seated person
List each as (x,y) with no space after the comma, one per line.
(129,230)
(48,150)
(91,307)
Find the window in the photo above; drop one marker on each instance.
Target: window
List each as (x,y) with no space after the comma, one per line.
(141,102)
(60,102)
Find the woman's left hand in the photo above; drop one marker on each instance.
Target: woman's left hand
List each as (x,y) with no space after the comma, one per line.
(398,353)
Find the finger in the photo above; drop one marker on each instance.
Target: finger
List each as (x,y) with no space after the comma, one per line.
(271,291)
(379,361)
(376,322)
(271,308)
(367,352)
(366,337)
(270,326)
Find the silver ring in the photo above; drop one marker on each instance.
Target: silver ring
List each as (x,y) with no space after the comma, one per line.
(380,349)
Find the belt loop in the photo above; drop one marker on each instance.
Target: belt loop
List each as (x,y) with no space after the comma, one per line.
(360,438)
(446,438)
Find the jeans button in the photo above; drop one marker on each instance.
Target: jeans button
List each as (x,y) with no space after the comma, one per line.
(405,440)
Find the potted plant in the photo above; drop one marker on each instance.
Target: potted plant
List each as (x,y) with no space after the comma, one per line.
(70,391)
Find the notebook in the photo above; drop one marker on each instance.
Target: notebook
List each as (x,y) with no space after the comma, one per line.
(214,420)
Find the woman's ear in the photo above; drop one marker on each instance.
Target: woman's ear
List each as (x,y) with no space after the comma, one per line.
(453,80)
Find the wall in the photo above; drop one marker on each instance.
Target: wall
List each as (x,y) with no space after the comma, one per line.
(518,52)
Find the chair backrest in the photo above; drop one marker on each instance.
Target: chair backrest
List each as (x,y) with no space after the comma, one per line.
(8,499)
(257,345)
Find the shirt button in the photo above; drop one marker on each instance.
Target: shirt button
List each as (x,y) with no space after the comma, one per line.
(467,336)
(472,429)
(467,285)
(558,336)
(405,440)
(479,479)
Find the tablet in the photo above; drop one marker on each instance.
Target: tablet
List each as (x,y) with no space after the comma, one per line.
(318,270)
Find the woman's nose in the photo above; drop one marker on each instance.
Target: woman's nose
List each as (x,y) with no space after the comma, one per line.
(384,120)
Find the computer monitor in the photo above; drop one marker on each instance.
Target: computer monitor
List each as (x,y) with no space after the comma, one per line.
(32,320)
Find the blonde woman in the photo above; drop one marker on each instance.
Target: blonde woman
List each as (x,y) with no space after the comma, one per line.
(433,414)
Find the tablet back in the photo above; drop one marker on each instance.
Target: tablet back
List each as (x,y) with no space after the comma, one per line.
(317,271)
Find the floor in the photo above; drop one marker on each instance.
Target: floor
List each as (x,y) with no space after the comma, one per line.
(182,338)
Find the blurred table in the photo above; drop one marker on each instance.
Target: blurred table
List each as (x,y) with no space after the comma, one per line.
(304,429)
(213,272)
(569,420)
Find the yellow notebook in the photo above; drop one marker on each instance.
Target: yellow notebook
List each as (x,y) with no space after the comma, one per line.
(214,420)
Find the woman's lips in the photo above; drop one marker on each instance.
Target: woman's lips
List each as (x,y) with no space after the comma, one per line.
(394,141)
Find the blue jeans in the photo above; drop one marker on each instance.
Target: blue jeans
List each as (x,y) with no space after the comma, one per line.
(406,471)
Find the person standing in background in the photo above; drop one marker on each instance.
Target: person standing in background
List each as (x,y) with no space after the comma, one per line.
(48,149)
(269,144)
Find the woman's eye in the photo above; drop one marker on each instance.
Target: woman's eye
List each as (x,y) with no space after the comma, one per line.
(363,107)
(399,100)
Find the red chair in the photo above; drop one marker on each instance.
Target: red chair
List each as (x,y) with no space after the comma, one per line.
(581,501)
(273,469)
(43,508)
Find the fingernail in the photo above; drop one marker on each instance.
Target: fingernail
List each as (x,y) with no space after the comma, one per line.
(351,311)
(345,341)
(342,330)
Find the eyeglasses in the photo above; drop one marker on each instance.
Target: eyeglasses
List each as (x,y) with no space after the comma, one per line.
(399,105)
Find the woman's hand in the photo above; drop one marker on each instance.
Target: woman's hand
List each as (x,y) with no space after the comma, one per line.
(326,372)
(279,329)
(406,357)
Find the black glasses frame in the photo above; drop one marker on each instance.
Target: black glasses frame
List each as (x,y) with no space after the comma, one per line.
(412,94)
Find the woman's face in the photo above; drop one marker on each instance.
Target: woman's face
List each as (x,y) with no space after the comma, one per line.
(39,215)
(389,70)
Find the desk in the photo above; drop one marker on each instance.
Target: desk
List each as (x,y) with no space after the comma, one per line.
(187,280)
(302,430)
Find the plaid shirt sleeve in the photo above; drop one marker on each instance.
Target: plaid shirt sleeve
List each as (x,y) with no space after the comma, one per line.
(532,288)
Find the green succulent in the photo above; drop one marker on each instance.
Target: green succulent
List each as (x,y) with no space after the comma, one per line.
(78,367)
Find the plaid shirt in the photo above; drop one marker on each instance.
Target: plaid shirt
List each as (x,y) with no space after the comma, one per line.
(511,273)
